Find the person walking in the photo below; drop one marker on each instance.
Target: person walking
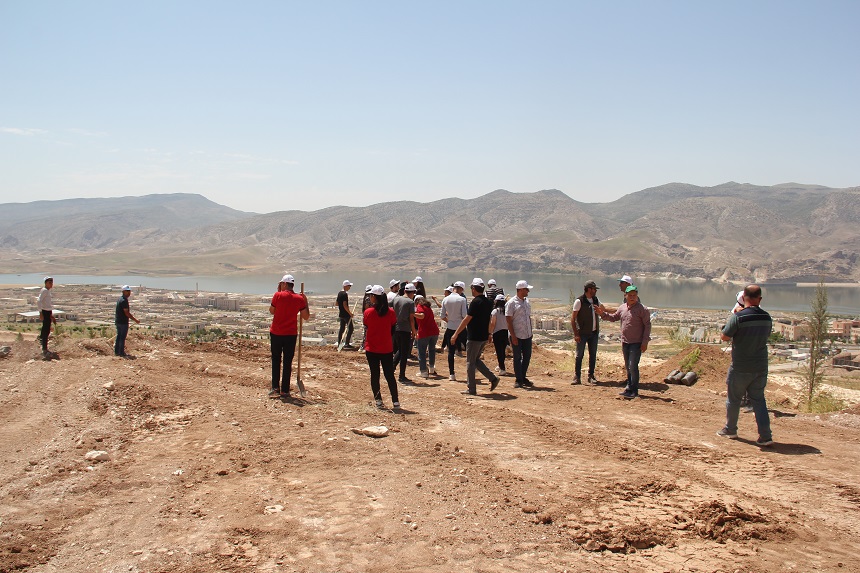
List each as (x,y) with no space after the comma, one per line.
(585,322)
(378,320)
(122,316)
(428,336)
(635,335)
(493,290)
(477,322)
(45,305)
(499,332)
(345,316)
(518,313)
(284,332)
(748,330)
(404,330)
(454,310)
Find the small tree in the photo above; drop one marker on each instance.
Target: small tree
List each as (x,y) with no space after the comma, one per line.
(818,322)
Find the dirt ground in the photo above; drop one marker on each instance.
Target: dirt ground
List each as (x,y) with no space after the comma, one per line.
(208,474)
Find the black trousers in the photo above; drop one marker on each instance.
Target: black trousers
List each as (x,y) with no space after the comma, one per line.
(403,344)
(345,324)
(375,360)
(282,345)
(46,328)
(500,341)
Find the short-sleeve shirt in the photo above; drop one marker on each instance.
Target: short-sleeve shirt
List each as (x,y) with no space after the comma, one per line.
(577,306)
(403,307)
(342,297)
(480,310)
(121,304)
(520,311)
(749,329)
(454,310)
(427,326)
(285,321)
(378,331)
(501,323)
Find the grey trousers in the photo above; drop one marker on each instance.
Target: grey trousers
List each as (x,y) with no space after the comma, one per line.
(474,349)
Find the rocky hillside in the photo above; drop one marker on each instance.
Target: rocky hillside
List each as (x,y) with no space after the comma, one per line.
(730,232)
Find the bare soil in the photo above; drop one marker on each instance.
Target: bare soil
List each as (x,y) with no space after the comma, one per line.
(208,474)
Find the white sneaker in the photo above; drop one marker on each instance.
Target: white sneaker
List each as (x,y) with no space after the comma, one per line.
(501,372)
(424,374)
(452,378)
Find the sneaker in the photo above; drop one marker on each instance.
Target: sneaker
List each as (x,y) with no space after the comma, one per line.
(592,380)
(380,405)
(630,395)
(424,374)
(503,373)
(724,433)
(469,392)
(348,347)
(747,410)
(396,404)
(527,383)
(518,385)
(625,391)
(432,371)
(461,355)
(452,378)
(494,383)
(274,393)
(576,381)
(404,380)
(763,443)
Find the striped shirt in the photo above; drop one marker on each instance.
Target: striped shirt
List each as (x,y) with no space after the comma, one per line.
(749,330)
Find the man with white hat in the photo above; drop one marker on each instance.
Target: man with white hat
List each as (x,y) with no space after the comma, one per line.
(624,282)
(493,290)
(454,310)
(45,305)
(284,333)
(405,329)
(518,313)
(478,323)
(345,316)
(122,316)
(393,290)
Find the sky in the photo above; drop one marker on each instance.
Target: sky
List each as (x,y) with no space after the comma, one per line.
(268,106)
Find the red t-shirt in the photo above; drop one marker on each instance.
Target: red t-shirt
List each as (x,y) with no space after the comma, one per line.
(287,305)
(378,331)
(427,326)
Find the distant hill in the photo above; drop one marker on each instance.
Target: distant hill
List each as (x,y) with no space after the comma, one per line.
(731,231)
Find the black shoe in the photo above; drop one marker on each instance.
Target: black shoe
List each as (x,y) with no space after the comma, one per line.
(527,383)
(629,395)
(494,384)
(518,385)
(576,381)
(404,380)
(470,392)
(625,391)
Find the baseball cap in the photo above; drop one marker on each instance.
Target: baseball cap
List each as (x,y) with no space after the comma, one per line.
(367,288)
(409,287)
(394,282)
(632,288)
(418,280)
(418,297)
(449,289)
(460,284)
(626,279)
(477,281)
(377,290)
(491,282)
(740,298)
(288,279)
(347,283)
(46,279)
(591,284)
(524,284)
(126,287)
(500,297)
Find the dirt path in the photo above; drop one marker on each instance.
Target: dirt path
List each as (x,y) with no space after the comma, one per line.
(207,474)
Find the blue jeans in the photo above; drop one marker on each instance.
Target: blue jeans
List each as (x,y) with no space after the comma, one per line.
(752,384)
(121,333)
(423,344)
(632,353)
(591,341)
(522,356)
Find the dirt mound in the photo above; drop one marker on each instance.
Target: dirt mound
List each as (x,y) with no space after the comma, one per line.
(711,365)
(720,522)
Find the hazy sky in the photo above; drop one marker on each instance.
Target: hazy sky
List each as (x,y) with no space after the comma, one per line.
(267,106)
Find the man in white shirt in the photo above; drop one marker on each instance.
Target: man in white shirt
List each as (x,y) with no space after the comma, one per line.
(518,313)
(45,304)
(454,310)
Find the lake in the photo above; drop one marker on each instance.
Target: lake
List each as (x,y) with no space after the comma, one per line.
(659,293)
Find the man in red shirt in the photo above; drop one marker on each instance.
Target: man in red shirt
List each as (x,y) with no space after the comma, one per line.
(285,307)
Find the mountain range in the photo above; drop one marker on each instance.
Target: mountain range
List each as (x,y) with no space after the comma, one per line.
(730,232)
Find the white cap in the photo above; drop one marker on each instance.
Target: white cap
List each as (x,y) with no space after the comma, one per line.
(393,282)
(740,298)
(377,290)
(288,279)
(524,284)
(46,279)
(409,287)
(419,297)
(367,288)
(449,289)
(347,283)
(126,287)
(626,279)
(477,281)
(491,282)
(460,284)
(418,280)
(500,297)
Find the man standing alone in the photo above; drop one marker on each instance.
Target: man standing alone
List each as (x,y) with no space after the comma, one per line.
(123,314)
(478,323)
(635,335)
(345,315)
(585,322)
(518,313)
(45,304)
(284,332)
(749,330)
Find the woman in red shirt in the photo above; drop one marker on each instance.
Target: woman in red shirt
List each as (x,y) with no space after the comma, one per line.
(379,321)
(428,336)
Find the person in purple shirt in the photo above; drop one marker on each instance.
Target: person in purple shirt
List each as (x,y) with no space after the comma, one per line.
(635,335)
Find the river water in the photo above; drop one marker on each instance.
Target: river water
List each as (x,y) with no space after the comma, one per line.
(658,293)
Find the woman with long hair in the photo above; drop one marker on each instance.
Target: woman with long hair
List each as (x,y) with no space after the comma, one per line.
(499,332)
(428,336)
(378,321)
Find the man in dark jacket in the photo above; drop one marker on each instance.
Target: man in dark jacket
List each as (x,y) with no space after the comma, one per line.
(585,322)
